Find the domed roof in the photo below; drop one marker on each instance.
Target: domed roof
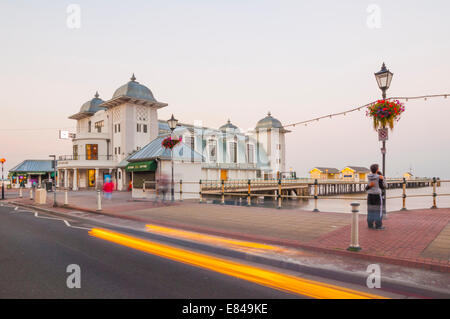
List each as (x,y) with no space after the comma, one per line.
(268,122)
(135,90)
(92,106)
(229,127)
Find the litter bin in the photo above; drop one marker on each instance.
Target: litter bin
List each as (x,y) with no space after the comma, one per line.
(49,186)
(40,196)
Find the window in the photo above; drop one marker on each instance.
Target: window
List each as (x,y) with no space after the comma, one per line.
(233,152)
(117,128)
(212,146)
(92,151)
(138,127)
(145,128)
(118,150)
(75,152)
(115,150)
(89,126)
(98,125)
(250,153)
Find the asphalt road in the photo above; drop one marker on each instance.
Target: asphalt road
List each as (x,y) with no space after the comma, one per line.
(35,253)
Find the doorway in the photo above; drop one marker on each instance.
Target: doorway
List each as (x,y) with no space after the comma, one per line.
(91,177)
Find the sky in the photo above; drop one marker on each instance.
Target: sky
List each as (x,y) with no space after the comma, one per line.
(218,60)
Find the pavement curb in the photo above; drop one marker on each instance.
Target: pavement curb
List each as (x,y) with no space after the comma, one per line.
(263,239)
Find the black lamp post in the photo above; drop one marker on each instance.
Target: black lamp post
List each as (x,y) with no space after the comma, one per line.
(384,78)
(172,125)
(2,160)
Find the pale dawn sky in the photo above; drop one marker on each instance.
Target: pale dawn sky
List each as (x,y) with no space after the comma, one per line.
(214,60)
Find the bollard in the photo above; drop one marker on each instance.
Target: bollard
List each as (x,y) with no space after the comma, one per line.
(66,197)
(99,200)
(181,190)
(316,186)
(434,194)
(31,193)
(279,194)
(20,192)
(404,194)
(223,192)
(249,198)
(200,193)
(354,240)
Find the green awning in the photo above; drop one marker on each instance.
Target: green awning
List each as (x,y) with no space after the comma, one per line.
(141,166)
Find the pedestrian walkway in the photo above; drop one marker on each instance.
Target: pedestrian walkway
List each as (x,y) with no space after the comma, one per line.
(416,238)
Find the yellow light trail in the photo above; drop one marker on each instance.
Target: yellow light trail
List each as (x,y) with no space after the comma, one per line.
(260,276)
(208,238)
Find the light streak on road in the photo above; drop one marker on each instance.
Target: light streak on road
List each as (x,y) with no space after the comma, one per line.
(257,275)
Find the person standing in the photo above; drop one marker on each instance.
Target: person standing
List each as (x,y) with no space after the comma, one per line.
(374,198)
(108,188)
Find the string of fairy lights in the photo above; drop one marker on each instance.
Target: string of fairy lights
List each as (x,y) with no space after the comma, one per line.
(359,108)
(305,123)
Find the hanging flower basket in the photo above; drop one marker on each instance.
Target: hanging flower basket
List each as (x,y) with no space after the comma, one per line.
(169,142)
(384,113)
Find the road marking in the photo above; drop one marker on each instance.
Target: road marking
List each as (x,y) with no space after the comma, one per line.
(36,214)
(208,238)
(260,276)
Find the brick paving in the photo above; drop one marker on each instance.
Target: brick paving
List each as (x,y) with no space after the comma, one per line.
(415,238)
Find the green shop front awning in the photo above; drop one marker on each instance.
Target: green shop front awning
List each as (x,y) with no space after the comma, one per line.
(141,166)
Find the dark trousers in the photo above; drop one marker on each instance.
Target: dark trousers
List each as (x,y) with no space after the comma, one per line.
(374,210)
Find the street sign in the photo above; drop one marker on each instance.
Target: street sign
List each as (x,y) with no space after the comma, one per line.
(383,134)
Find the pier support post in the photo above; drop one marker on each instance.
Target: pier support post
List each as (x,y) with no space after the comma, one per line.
(354,240)
(279,194)
(20,192)
(434,194)
(181,190)
(99,200)
(200,192)
(66,197)
(404,194)
(31,193)
(315,195)
(249,198)
(223,192)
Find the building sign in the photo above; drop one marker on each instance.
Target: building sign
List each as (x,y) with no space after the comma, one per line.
(65,135)
(141,166)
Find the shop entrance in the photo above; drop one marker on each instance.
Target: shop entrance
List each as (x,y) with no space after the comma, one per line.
(91,177)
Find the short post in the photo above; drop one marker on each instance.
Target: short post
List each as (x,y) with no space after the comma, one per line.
(31,193)
(279,194)
(66,197)
(223,192)
(354,240)
(316,186)
(99,200)
(20,192)
(249,198)
(200,193)
(181,190)
(404,194)
(434,194)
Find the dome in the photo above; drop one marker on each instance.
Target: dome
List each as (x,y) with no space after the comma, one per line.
(92,106)
(229,127)
(268,122)
(135,90)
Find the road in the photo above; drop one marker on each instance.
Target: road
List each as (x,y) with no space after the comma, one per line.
(35,253)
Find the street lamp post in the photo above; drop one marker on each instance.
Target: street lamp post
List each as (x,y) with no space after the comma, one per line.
(2,160)
(54,180)
(384,78)
(172,125)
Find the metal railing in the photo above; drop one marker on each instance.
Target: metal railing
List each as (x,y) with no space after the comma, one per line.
(248,189)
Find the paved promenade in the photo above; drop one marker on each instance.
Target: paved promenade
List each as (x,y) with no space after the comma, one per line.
(416,238)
